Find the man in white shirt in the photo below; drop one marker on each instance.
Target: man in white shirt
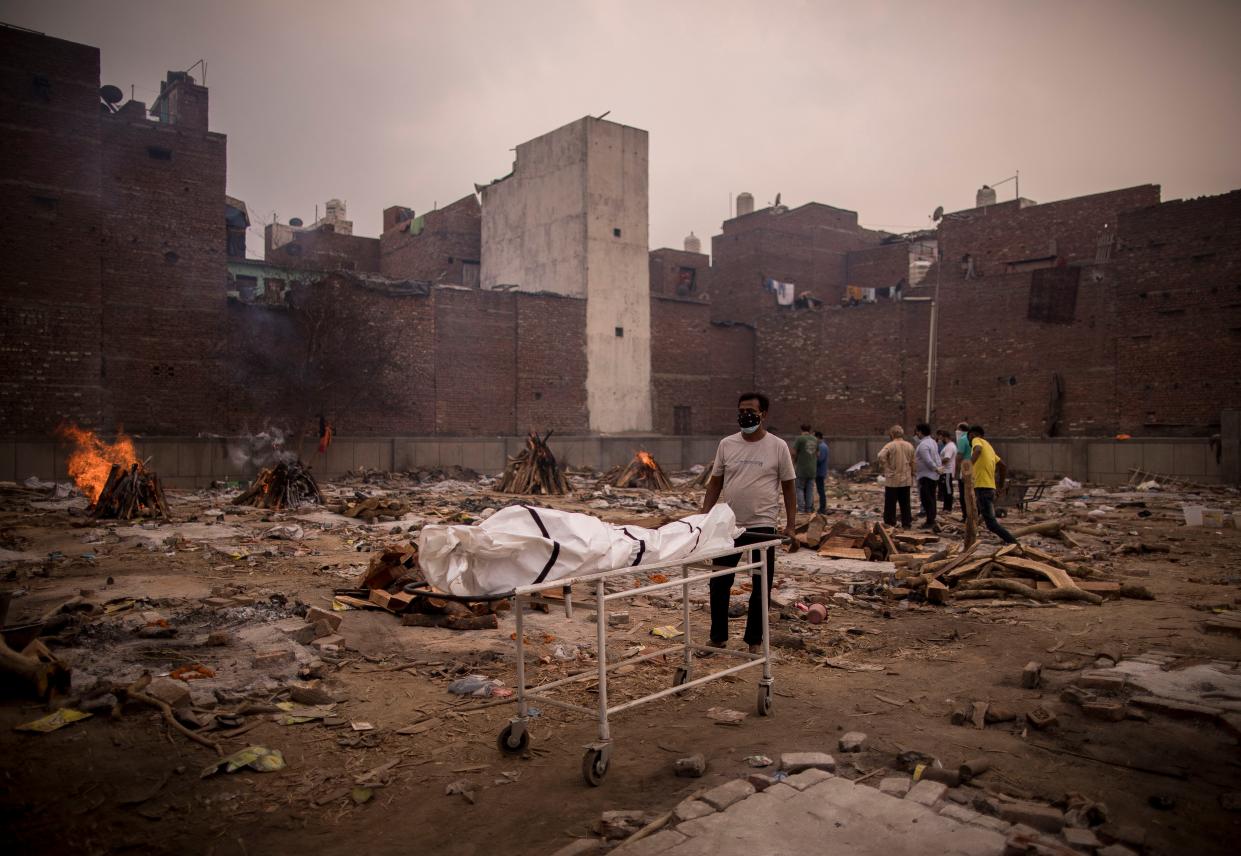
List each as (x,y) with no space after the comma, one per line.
(926,469)
(948,457)
(753,471)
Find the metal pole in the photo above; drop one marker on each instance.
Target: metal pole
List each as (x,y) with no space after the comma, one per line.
(518,608)
(601,643)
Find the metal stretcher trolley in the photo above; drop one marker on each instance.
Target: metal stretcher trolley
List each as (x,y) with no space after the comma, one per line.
(698,569)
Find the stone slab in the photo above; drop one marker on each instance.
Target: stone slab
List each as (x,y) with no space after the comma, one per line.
(795,762)
(723,796)
(927,793)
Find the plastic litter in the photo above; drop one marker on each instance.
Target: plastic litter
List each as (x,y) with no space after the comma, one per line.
(478,685)
(51,722)
(258,758)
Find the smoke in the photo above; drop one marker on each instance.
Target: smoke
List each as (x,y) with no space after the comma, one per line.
(261,450)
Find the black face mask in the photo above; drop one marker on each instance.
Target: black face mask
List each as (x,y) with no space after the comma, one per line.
(748,420)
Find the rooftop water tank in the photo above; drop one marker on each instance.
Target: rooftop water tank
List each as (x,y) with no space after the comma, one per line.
(692,244)
(745,204)
(985,197)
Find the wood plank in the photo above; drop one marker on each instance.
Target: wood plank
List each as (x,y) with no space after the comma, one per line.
(1056,575)
(842,553)
(967,567)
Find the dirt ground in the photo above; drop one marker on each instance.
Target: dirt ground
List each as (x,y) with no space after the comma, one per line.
(896,672)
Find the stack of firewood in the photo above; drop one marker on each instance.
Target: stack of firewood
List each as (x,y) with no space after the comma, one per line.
(534,470)
(286,485)
(643,471)
(130,492)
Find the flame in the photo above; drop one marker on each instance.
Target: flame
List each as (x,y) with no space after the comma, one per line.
(646,459)
(92,457)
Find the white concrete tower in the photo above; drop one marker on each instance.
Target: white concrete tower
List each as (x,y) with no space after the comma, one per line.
(571,218)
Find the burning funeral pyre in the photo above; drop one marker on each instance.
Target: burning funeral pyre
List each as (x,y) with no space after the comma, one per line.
(112,478)
(286,485)
(534,470)
(643,471)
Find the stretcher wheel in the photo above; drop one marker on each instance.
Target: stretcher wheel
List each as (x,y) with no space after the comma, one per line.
(764,701)
(594,767)
(510,744)
(681,677)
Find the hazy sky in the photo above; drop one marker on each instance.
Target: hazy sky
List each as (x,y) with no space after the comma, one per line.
(889,109)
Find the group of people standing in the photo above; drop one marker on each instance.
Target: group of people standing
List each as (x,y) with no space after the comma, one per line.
(762,479)
(933,464)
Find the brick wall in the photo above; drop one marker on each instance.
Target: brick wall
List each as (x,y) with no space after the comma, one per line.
(435,247)
(805,245)
(1178,315)
(697,364)
(551,364)
(1147,347)
(1012,231)
(163,267)
(884,266)
(678,273)
(49,281)
(475,356)
(324,249)
(839,369)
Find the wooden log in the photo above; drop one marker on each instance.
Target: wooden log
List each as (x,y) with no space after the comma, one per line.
(967,567)
(978,594)
(1056,575)
(1040,556)
(971,503)
(1074,594)
(888,543)
(451,622)
(1008,586)
(1047,527)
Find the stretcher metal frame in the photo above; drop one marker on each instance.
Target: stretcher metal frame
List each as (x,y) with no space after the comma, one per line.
(515,736)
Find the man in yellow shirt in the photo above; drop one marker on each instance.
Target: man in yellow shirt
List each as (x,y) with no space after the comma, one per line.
(984,459)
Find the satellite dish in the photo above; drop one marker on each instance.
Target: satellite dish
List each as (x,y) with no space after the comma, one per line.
(777,199)
(111,94)
(295,221)
(939,214)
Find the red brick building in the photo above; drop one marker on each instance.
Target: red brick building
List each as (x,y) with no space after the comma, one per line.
(441,246)
(1102,314)
(125,299)
(114,245)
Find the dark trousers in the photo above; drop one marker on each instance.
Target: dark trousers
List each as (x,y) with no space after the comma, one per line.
(927,489)
(945,490)
(721,586)
(821,486)
(986,510)
(892,496)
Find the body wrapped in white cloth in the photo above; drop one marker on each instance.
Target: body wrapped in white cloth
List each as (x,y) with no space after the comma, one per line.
(523,545)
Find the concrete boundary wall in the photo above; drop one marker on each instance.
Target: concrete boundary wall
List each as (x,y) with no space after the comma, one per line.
(187,462)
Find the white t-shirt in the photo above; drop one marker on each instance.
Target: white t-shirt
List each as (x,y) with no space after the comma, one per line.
(753,471)
(948,455)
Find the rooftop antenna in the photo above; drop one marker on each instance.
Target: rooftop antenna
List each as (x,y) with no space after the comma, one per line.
(203,63)
(1015,179)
